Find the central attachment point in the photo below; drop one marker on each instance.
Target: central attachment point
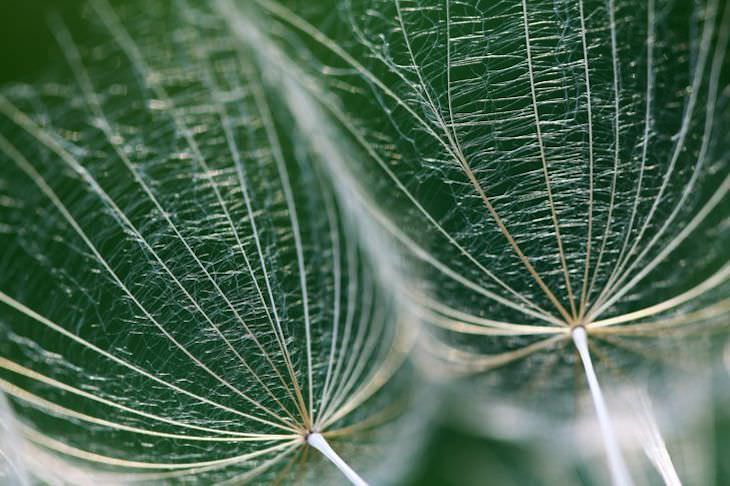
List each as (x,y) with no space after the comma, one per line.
(580,336)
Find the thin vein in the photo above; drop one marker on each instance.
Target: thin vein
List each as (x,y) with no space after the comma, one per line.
(378,378)
(707,35)
(74,59)
(660,327)
(366,320)
(337,277)
(459,321)
(368,348)
(354,295)
(649,96)
(245,478)
(108,16)
(18,306)
(452,121)
(289,17)
(26,167)
(717,279)
(543,158)
(340,116)
(458,155)
(55,409)
(716,198)
(617,145)
(262,261)
(268,122)
(238,163)
(589,236)
(58,446)
(478,363)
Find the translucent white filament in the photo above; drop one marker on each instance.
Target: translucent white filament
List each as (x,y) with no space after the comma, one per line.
(619,471)
(318,441)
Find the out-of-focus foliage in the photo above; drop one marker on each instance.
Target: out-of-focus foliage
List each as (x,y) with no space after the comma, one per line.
(698,447)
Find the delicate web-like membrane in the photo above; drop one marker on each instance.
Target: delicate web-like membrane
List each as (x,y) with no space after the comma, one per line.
(553,165)
(181,296)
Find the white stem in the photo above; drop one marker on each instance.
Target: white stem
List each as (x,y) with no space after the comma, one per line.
(652,440)
(619,471)
(318,441)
